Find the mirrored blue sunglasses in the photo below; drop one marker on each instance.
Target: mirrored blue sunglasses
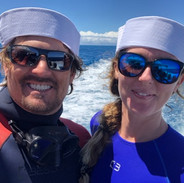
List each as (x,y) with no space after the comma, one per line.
(165,71)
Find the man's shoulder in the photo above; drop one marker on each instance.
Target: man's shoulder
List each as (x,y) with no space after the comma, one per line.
(78,129)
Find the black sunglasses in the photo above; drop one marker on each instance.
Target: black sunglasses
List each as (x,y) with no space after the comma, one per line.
(30,56)
(165,71)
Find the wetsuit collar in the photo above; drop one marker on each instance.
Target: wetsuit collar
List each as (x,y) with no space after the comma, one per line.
(24,119)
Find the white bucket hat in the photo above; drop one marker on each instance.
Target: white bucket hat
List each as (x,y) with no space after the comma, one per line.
(153,32)
(38,22)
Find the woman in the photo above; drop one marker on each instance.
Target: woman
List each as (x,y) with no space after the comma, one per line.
(133,142)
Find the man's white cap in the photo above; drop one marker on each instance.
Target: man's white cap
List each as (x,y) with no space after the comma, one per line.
(38,22)
(153,32)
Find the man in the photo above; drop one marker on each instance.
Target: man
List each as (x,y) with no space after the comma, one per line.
(39,60)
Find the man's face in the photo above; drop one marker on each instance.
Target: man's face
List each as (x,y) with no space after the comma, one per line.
(38,89)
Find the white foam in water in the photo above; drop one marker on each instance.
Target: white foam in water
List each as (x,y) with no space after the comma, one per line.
(174,116)
(90,95)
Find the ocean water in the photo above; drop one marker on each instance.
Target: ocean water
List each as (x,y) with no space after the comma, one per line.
(91,91)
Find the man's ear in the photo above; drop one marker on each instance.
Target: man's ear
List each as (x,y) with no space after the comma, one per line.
(72,76)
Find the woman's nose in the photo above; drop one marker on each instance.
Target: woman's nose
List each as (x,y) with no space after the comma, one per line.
(146,75)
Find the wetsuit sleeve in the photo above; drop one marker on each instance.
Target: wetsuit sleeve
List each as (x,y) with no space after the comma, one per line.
(4,129)
(94,123)
(79,130)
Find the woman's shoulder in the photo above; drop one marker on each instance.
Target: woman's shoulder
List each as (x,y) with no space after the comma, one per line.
(175,135)
(95,122)
(171,138)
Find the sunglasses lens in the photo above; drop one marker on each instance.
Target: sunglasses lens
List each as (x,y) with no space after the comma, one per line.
(131,65)
(163,70)
(166,71)
(59,60)
(29,56)
(24,56)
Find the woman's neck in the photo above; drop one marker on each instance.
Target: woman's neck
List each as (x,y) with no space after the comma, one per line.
(137,128)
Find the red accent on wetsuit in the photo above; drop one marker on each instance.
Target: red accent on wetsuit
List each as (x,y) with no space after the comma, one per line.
(79,130)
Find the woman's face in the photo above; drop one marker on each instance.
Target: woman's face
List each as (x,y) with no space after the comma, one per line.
(143,94)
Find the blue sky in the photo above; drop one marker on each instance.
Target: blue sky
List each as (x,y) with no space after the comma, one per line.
(98,20)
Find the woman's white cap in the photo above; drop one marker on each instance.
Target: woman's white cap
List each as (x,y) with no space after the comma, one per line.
(153,32)
(38,22)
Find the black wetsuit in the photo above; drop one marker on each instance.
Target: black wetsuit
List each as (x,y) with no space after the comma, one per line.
(15,164)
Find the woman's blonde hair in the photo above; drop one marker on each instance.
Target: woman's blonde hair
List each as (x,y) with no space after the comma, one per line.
(110,121)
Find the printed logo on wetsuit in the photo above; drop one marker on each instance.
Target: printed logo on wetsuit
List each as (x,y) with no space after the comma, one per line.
(115,166)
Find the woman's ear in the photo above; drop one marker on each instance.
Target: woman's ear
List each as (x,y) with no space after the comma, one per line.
(116,70)
(180,81)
